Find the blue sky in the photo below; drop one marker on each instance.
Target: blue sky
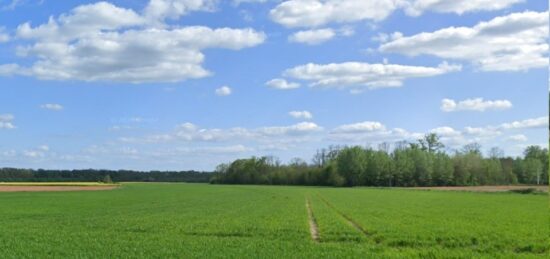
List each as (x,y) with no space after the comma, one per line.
(189,84)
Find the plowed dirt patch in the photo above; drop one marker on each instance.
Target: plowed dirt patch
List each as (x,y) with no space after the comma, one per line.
(54,188)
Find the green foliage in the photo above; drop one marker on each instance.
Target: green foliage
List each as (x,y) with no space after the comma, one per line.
(225,221)
(107,179)
(352,164)
(412,164)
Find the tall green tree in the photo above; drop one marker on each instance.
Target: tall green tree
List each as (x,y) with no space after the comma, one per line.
(351,164)
(431,142)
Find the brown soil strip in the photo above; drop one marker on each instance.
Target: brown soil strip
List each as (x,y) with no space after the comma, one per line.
(54,188)
(348,219)
(497,188)
(313,229)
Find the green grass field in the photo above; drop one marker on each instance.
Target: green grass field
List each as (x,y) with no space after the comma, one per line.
(215,221)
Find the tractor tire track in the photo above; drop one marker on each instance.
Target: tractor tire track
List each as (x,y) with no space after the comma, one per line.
(347,218)
(313,227)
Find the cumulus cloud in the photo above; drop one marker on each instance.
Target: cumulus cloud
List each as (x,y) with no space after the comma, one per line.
(190,132)
(518,138)
(475,104)
(52,106)
(9,69)
(361,127)
(159,10)
(306,115)
(360,76)
(417,7)
(517,41)
(223,91)
(482,132)
(540,122)
(238,2)
(312,37)
(301,128)
(103,42)
(314,13)
(369,132)
(446,131)
(4,37)
(6,121)
(282,84)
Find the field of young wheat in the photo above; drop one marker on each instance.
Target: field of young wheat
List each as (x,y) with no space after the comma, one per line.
(215,221)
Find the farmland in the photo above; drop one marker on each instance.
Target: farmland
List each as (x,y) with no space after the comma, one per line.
(200,220)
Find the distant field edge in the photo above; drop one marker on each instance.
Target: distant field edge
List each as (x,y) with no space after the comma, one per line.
(55,187)
(488,188)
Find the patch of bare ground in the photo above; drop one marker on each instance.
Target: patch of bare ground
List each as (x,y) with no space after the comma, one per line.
(313,228)
(495,188)
(55,188)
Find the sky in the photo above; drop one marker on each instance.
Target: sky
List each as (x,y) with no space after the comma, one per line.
(190,84)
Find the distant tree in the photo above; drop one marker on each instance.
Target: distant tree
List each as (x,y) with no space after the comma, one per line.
(384,147)
(442,169)
(533,170)
(472,148)
(107,179)
(496,153)
(423,167)
(493,171)
(431,142)
(351,163)
(507,165)
(378,168)
(403,168)
(298,163)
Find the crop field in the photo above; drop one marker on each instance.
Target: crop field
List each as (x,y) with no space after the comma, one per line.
(222,221)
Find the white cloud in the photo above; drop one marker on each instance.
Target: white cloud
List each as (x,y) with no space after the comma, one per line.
(306,115)
(540,122)
(238,2)
(217,149)
(446,132)
(312,37)
(417,7)
(159,10)
(52,106)
(361,127)
(358,76)
(482,132)
(508,43)
(518,138)
(282,84)
(9,69)
(4,37)
(301,128)
(475,104)
(369,132)
(6,121)
(190,132)
(223,91)
(315,13)
(102,42)
(38,152)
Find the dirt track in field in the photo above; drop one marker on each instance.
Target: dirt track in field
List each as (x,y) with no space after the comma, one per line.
(313,228)
(498,188)
(54,188)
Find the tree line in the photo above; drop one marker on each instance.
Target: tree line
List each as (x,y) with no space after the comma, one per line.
(92,175)
(422,163)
